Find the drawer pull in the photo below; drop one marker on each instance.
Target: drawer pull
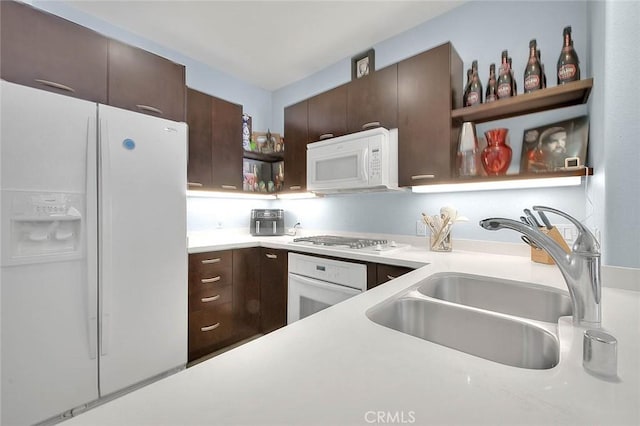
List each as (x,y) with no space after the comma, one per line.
(210,327)
(228,187)
(391,277)
(370,125)
(210,299)
(148,108)
(209,261)
(196,184)
(326,136)
(271,256)
(56,85)
(210,280)
(295,187)
(416,177)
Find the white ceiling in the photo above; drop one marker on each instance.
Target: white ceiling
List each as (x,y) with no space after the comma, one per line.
(266,43)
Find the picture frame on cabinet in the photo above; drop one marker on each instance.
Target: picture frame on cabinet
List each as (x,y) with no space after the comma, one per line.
(556,146)
(363,64)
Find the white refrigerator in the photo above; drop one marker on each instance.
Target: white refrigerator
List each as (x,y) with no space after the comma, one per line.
(93,254)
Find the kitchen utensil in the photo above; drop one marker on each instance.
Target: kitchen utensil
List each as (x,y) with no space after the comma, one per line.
(528,241)
(525,221)
(532,218)
(545,220)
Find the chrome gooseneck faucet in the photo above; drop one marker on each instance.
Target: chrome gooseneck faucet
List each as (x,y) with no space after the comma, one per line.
(580,268)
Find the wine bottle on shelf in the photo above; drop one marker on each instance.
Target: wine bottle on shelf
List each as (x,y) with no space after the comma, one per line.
(474,94)
(544,74)
(514,83)
(505,83)
(568,63)
(465,94)
(533,70)
(492,89)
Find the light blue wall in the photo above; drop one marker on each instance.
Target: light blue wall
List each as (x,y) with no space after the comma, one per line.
(622,132)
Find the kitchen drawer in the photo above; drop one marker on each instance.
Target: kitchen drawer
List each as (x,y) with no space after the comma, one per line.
(209,327)
(209,298)
(210,270)
(388,272)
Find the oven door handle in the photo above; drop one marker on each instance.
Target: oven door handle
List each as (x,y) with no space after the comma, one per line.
(314,282)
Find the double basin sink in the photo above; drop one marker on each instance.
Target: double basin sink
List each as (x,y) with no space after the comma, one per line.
(505,321)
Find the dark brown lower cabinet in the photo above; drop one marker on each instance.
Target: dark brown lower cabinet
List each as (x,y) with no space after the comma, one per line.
(246,291)
(384,273)
(234,295)
(273,288)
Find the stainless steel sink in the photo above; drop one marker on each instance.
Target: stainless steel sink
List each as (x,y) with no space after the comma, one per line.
(480,333)
(525,300)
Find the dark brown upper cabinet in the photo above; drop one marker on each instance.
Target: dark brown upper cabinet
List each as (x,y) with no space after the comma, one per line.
(296,135)
(429,87)
(215,143)
(147,83)
(372,100)
(328,114)
(47,52)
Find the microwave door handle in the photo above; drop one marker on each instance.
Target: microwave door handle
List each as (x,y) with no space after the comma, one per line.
(365,165)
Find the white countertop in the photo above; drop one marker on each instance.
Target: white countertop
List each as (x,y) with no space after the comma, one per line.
(339,368)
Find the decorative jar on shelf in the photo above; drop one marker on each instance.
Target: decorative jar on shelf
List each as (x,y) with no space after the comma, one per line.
(496,157)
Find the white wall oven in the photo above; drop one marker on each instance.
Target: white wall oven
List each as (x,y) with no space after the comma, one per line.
(315,283)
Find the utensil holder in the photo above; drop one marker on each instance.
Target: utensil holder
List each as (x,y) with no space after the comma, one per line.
(540,255)
(439,242)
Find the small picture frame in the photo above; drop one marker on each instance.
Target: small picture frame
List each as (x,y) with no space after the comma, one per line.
(363,64)
(555,147)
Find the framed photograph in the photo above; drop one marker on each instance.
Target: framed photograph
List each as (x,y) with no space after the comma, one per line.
(556,146)
(363,64)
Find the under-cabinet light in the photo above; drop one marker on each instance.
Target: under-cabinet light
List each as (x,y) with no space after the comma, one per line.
(296,195)
(237,195)
(499,184)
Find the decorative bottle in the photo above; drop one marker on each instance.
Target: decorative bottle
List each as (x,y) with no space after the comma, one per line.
(514,83)
(533,70)
(474,94)
(492,86)
(465,94)
(544,74)
(505,86)
(568,63)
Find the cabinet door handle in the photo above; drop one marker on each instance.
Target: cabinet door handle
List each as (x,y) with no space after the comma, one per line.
(196,184)
(370,125)
(391,277)
(326,136)
(271,256)
(295,187)
(210,299)
(209,261)
(228,187)
(417,177)
(210,327)
(148,108)
(210,280)
(56,85)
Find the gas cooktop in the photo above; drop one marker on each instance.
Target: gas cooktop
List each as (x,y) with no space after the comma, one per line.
(353,243)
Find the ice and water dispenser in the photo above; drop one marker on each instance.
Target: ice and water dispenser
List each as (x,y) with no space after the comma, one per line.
(41,226)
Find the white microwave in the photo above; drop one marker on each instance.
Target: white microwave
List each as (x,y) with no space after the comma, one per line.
(363,161)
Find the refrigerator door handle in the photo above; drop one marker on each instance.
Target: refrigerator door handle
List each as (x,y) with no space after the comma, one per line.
(91,240)
(104,236)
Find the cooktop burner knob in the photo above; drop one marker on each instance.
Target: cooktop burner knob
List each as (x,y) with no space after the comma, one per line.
(378,247)
(393,244)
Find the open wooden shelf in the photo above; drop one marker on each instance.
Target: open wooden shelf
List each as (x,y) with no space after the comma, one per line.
(574,93)
(587,171)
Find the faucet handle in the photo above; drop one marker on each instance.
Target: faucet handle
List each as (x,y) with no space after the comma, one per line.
(586,242)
